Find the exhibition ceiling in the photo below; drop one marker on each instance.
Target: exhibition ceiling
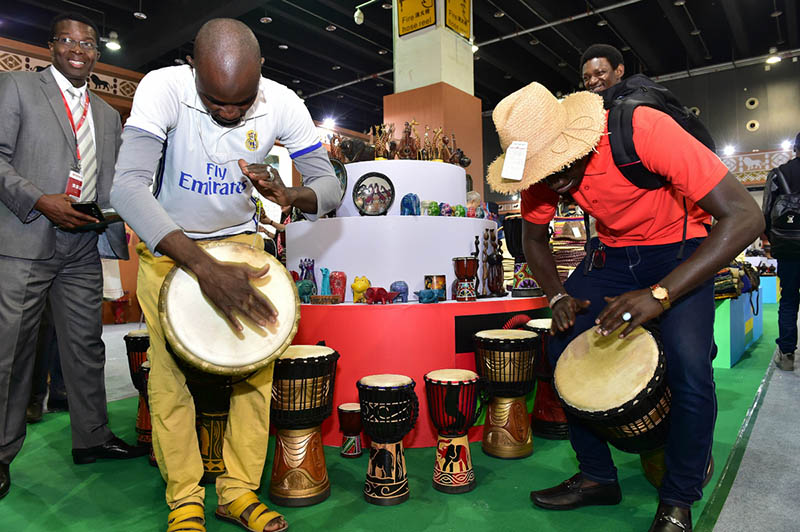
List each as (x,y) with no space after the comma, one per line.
(315,46)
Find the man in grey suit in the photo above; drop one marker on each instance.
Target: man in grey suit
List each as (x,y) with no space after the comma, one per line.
(58,144)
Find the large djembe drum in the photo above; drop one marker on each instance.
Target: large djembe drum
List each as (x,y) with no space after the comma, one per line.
(524,284)
(548,419)
(505,359)
(617,387)
(389,409)
(302,397)
(136,343)
(453,405)
(213,355)
(350,425)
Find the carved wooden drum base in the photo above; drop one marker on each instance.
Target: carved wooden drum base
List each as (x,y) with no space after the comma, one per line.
(210,435)
(387,481)
(453,471)
(299,475)
(507,430)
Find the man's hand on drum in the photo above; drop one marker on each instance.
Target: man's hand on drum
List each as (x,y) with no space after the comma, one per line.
(267,181)
(634,308)
(229,287)
(564,312)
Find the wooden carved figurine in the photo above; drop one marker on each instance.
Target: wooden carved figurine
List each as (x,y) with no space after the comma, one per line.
(485,260)
(407,148)
(336,147)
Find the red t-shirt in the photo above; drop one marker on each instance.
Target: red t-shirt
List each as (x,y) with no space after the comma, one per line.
(631,216)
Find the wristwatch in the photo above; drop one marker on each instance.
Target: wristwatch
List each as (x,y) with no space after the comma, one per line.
(661,295)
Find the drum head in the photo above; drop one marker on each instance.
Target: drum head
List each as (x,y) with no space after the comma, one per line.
(506,334)
(540,324)
(452,375)
(137,333)
(306,351)
(200,334)
(350,407)
(386,380)
(599,373)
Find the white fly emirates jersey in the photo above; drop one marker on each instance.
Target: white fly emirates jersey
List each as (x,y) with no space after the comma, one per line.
(199,182)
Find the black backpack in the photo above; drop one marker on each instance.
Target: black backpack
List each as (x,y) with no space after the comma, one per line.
(621,100)
(784,218)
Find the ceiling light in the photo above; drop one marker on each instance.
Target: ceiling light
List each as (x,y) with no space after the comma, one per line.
(386,5)
(336,67)
(507,76)
(498,14)
(358,17)
(329,123)
(474,48)
(179,61)
(771,60)
(785,145)
(112,41)
(728,150)
(602,22)
(265,19)
(679,3)
(776,13)
(626,49)
(141,15)
(283,47)
(330,27)
(383,52)
(534,41)
(695,32)
(340,96)
(296,81)
(379,84)
(562,64)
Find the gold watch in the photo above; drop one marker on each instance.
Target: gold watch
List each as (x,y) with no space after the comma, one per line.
(661,295)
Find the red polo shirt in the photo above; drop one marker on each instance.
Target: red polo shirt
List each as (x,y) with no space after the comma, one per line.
(631,216)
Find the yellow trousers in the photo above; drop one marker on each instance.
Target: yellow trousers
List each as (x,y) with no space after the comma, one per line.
(172,409)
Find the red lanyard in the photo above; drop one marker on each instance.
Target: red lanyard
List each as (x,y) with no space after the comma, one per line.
(80,122)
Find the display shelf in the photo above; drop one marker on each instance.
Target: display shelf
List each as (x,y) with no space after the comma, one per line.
(736,327)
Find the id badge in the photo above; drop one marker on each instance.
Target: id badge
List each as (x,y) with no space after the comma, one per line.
(74,184)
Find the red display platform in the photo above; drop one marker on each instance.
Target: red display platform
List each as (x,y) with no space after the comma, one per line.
(407,338)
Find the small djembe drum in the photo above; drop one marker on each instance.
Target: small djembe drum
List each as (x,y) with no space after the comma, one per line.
(302,398)
(548,419)
(137,342)
(617,387)
(466,268)
(453,405)
(389,409)
(505,359)
(350,425)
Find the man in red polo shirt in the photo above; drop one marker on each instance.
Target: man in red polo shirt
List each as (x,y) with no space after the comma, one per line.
(641,267)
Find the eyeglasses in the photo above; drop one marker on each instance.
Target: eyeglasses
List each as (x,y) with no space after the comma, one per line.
(89,46)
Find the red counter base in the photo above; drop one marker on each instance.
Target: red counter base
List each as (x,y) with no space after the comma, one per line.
(410,339)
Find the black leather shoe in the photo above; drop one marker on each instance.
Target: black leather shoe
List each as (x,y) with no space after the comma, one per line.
(33,414)
(5,480)
(114,449)
(569,495)
(672,519)
(57,405)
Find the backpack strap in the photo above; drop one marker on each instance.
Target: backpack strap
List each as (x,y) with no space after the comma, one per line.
(620,128)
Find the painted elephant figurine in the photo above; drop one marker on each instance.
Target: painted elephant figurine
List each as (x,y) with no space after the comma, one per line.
(429,295)
(459,210)
(445,209)
(359,286)
(402,291)
(433,210)
(379,295)
(306,289)
(409,205)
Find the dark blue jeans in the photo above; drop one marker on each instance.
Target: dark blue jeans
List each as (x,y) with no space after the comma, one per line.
(789,275)
(687,334)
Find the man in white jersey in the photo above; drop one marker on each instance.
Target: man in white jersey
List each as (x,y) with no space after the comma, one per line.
(208,124)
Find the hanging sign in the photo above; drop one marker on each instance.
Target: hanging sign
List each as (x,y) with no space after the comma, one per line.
(457,17)
(413,15)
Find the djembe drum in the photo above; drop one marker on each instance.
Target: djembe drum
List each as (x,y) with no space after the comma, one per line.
(136,343)
(302,397)
(212,354)
(548,419)
(617,387)
(453,405)
(350,425)
(466,269)
(505,358)
(389,409)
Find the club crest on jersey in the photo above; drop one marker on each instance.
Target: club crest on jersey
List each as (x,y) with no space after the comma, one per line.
(251,141)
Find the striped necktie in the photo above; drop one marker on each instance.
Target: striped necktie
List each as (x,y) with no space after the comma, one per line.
(86,148)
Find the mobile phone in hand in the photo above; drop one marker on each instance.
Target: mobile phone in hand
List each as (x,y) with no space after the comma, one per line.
(89,207)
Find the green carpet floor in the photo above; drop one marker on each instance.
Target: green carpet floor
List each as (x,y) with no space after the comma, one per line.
(49,493)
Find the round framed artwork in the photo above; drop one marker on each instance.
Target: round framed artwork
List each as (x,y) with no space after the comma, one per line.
(373,194)
(341,174)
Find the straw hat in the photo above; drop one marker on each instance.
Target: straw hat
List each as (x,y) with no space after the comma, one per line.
(558,133)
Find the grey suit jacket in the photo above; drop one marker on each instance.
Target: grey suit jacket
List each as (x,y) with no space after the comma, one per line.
(37,150)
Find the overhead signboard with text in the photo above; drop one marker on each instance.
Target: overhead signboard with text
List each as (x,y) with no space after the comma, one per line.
(457,17)
(414,15)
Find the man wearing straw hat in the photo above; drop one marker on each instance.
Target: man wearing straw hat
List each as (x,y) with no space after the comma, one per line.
(649,261)
(196,126)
